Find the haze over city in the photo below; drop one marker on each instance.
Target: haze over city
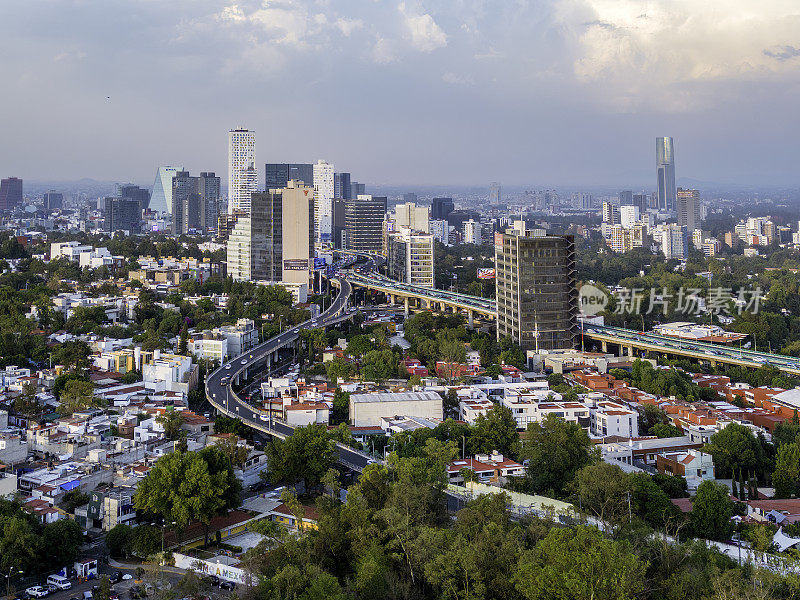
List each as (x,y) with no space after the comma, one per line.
(417,93)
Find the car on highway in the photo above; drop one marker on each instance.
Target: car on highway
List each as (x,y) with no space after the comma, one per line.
(36,591)
(297,330)
(228,366)
(244,361)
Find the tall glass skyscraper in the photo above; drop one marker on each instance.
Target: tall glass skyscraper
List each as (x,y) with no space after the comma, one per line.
(242,176)
(665,165)
(277,175)
(161,199)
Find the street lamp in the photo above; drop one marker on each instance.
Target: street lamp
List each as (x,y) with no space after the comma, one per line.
(8,580)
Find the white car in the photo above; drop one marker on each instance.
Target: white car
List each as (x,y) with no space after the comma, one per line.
(297,330)
(228,366)
(244,361)
(36,591)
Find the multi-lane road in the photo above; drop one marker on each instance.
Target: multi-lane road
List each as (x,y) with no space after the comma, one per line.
(219,383)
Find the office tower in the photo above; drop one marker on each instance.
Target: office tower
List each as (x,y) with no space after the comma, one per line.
(122,214)
(439,230)
(357,189)
(53,200)
(161,200)
(674,242)
(689,209)
(10,193)
(342,188)
(339,222)
(410,197)
(583,200)
(412,216)
(297,233)
(620,238)
(458,217)
(134,192)
(276,242)
(364,223)
(641,200)
(278,175)
(611,213)
(628,215)
(323,210)
(537,301)
(665,166)
(472,232)
(625,198)
(247,240)
(242,176)
(410,257)
(185,203)
(441,208)
(208,186)
(494,193)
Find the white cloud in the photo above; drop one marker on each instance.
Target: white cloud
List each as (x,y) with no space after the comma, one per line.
(643,51)
(348,26)
(456,79)
(383,51)
(426,35)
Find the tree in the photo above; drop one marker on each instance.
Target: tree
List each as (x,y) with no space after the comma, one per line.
(556,450)
(786,476)
(665,430)
(236,453)
(712,510)
(18,544)
(118,540)
(77,396)
(579,564)
(339,368)
(378,365)
(650,503)
(735,448)
(146,540)
(182,487)
(602,490)
(497,430)
(183,342)
(341,407)
(61,541)
(172,421)
(304,456)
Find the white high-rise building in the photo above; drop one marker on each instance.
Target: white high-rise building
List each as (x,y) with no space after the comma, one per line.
(416,218)
(323,209)
(242,174)
(472,232)
(628,215)
(161,199)
(439,229)
(410,257)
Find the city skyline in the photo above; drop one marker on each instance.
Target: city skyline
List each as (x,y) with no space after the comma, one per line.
(406,93)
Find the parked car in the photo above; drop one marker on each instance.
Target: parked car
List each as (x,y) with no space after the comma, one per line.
(213,580)
(59,581)
(227,585)
(36,591)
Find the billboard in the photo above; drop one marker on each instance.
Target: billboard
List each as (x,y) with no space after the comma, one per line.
(486,273)
(319,263)
(295,264)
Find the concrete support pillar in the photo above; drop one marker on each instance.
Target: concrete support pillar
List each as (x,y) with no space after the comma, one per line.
(604,346)
(469,319)
(406,304)
(630,351)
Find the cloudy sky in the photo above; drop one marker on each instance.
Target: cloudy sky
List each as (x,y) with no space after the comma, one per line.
(539,92)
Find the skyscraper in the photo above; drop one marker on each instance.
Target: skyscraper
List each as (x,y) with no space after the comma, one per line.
(275,241)
(665,166)
(323,211)
(626,198)
(277,175)
(537,301)
(53,200)
(674,242)
(364,223)
(341,186)
(494,193)
(134,192)
(410,257)
(122,214)
(185,203)
(416,218)
(242,176)
(441,208)
(161,199)
(10,193)
(689,209)
(208,186)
